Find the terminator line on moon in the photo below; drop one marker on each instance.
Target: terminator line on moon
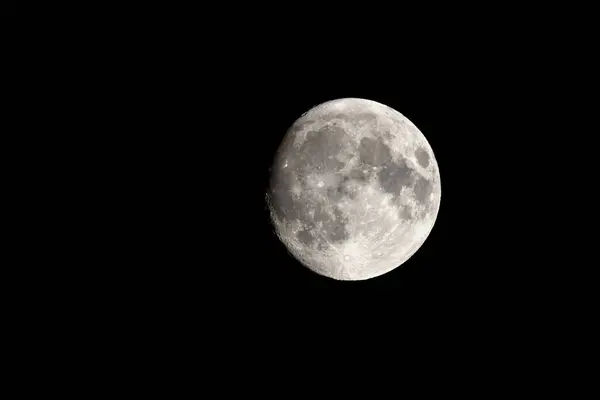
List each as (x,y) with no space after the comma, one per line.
(354,189)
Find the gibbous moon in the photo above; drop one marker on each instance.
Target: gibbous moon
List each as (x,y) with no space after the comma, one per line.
(354,189)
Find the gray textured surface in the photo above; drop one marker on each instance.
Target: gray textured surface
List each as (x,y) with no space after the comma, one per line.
(355,189)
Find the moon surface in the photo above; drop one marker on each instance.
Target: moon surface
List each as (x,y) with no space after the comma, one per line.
(354,189)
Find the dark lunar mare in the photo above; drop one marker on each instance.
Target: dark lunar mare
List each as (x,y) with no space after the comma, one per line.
(393,176)
(374,152)
(312,155)
(406,213)
(422,189)
(336,229)
(304,236)
(422,157)
(319,145)
(359,174)
(344,187)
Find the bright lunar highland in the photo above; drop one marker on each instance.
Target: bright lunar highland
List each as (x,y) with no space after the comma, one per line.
(354,189)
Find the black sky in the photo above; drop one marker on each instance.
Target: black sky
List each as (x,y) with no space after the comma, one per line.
(206,111)
(225,128)
(153,248)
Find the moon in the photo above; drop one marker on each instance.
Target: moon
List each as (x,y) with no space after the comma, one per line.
(354,189)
